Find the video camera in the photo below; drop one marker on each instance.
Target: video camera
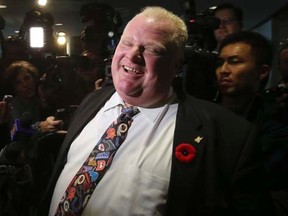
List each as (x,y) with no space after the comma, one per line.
(199,67)
(200,32)
(276,91)
(13,157)
(103,19)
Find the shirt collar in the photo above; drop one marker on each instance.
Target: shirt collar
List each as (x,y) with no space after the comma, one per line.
(150,113)
(114,101)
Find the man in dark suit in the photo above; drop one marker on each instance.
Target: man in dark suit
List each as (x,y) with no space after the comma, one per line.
(243,70)
(182,156)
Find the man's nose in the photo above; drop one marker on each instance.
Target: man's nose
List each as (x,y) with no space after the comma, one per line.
(224,68)
(135,54)
(222,24)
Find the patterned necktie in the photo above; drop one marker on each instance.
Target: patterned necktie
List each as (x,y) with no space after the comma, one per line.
(93,169)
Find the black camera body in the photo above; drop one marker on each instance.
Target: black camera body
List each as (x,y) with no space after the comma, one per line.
(199,67)
(276,91)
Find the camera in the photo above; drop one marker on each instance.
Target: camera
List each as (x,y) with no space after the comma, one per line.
(200,61)
(275,92)
(8,99)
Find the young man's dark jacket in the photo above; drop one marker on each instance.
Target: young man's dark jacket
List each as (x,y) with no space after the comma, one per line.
(225,177)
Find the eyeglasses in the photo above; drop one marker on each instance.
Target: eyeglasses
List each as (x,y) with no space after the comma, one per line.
(228,21)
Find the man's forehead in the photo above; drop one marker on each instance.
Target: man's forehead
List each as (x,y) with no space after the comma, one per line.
(225,12)
(238,47)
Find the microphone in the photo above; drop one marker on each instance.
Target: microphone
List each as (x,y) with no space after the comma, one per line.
(22,129)
(13,157)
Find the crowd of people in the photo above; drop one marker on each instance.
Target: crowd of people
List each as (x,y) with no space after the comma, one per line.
(182,155)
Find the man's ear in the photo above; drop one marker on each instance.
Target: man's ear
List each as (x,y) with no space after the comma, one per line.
(264,72)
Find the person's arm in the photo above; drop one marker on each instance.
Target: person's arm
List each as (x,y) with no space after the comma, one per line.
(48,125)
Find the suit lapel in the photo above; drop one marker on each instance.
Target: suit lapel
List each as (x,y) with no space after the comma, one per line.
(188,130)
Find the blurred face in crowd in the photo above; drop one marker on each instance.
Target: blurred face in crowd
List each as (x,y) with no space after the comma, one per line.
(229,24)
(145,62)
(283,65)
(92,68)
(25,85)
(237,72)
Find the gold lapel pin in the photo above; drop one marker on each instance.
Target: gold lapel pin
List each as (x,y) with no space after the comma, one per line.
(198,139)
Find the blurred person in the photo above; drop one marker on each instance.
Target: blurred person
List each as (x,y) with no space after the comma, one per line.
(279,92)
(95,39)
(231,21)
(283,65)
(90,68)
(98,41)
(100,36)
(282,86)
(181,156)
(70,79)
(242,73)
(31,121)
(21,77)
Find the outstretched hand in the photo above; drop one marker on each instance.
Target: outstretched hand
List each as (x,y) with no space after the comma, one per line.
(50,124)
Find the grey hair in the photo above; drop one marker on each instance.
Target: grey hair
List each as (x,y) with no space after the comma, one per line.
(180,34)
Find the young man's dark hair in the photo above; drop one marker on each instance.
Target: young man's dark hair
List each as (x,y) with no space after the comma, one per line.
(261,47)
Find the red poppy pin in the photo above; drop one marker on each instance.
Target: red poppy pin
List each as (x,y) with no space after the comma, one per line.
(185,152)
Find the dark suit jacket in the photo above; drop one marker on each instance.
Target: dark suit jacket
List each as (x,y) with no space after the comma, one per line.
(225,177)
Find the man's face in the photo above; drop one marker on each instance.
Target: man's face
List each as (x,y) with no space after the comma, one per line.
(145,62)
(283,65)
(228,24)
(237,72)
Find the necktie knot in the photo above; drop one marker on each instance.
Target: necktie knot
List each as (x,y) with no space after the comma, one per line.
(130,111)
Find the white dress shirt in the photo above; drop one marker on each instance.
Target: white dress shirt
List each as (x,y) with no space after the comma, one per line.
(138,179)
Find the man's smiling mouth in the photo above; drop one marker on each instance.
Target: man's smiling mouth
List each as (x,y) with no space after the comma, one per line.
(132,70)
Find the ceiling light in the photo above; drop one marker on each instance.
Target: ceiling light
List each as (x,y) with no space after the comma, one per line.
(36,37)
(3,6)
(61,38)
(42,2)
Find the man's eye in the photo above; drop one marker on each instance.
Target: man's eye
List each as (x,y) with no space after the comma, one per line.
(126,43)
(154,51)
(234,61)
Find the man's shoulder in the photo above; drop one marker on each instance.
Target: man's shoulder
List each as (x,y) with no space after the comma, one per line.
(100,94)
(215,121)
(95,100)
(108,90)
